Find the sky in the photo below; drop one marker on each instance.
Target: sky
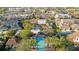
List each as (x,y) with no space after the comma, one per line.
(39,3)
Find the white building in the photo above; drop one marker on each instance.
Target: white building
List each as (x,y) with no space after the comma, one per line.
(42,21)
(35,31)
(61,16)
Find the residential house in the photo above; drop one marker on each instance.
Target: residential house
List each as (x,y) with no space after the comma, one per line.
(74,37)
(74,13)
(41,21)
(35,30)
(33,21)
(62,16)
(67,24)
(75,27)
(13,24)
(11,42)
(38,21)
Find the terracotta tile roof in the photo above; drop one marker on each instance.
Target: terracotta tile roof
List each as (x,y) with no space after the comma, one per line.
(33,21)
(72,36)
(11,42)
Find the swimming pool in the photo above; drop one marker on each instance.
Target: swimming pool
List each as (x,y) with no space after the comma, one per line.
(39,38)
(41,44)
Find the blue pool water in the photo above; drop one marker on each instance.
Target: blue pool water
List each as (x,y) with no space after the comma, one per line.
(41,44)
(39,38)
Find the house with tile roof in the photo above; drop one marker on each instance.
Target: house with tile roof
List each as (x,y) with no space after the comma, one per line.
(74,37)
(62,16)
(11,42)
(67,24)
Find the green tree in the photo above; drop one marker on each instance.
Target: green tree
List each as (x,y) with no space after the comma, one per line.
(25,45)
(57,29)
(56,43)
(26,24)
(25,33)
(2,9)
(10,33)
(69,45)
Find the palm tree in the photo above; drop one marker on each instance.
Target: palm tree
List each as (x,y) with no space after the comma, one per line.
(56,43)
